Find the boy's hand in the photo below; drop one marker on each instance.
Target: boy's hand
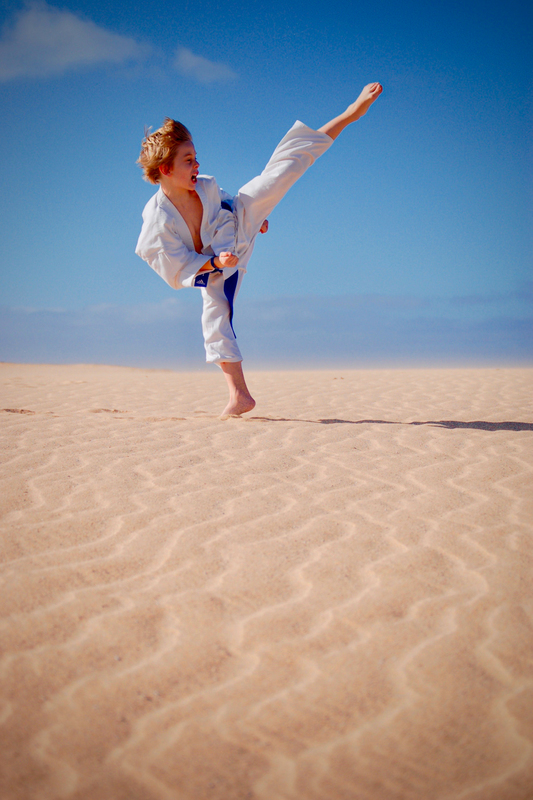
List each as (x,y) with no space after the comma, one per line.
(227,260)
(264,227)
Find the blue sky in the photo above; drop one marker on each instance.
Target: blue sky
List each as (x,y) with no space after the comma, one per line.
(409,242)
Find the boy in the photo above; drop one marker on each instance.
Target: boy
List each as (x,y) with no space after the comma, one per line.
(195,234)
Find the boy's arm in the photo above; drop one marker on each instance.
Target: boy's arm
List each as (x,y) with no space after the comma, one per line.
(166,253)
(220,261)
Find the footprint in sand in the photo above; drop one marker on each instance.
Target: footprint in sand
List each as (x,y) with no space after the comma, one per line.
(106,411)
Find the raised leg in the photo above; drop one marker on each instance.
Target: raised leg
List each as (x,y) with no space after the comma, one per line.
(298,149)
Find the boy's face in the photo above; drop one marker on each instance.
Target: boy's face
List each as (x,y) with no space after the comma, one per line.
(184,170)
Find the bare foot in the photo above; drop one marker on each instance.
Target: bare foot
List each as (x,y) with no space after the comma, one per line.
(240,404)
(369,94)
(356,110)
(240,399)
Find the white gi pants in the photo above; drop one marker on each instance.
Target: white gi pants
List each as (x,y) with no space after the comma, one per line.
(298,149)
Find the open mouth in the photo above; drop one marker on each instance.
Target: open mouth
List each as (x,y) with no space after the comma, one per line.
(194,178)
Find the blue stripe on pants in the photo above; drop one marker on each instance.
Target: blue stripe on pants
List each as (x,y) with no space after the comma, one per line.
(230,286)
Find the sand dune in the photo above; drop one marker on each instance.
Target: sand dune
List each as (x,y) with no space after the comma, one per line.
(330,599)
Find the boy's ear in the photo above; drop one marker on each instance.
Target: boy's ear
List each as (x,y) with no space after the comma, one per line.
(164,169)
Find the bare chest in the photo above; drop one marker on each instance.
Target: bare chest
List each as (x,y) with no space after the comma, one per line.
(192,212)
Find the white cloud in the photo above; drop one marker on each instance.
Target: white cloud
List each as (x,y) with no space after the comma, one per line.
(201,69)
(42,40)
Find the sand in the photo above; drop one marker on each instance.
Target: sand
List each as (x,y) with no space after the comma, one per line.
(329,599)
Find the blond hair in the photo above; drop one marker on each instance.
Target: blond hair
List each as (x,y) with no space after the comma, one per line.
(159,148)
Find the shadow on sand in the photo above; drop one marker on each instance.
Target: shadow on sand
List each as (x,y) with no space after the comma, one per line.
(442,423)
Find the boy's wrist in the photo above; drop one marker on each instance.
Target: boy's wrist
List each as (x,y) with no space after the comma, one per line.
(213,260)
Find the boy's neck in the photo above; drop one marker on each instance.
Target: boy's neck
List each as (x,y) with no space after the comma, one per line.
(179,197)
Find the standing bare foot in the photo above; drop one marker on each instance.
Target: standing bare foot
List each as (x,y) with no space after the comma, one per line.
(240,399)
(238,405)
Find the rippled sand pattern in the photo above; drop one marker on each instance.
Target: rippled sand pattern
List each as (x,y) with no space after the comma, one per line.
(328,600)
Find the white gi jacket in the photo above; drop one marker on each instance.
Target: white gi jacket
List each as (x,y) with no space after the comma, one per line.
(166,242)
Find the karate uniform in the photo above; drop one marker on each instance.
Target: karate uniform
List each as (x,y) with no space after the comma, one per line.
(228,224)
